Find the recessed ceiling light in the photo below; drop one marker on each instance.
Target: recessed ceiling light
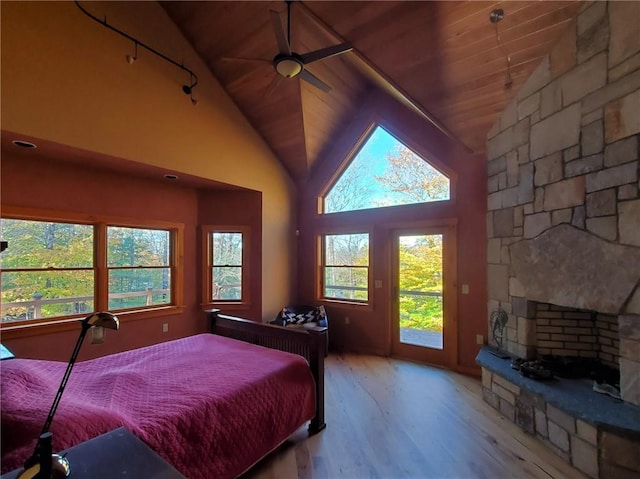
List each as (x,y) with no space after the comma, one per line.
(171,177)
(24,144)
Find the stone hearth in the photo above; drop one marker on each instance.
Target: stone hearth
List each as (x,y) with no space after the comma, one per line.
(595,433)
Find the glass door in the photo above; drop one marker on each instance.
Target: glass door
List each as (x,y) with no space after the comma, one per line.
(422,325)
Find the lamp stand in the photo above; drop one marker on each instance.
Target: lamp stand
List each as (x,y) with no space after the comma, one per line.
(43,464)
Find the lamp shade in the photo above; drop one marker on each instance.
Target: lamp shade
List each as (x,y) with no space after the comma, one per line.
(102,319)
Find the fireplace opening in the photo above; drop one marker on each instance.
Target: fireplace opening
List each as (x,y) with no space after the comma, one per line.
(577,333)
(574,344)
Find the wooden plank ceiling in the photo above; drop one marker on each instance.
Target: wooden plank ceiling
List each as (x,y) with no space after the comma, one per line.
(443,57)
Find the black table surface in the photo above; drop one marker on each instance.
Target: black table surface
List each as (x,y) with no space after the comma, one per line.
(116,454)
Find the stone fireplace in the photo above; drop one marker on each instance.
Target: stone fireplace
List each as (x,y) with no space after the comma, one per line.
(563,228)
(573,293)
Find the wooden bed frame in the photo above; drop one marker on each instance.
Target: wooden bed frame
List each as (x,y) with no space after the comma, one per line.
(310,343)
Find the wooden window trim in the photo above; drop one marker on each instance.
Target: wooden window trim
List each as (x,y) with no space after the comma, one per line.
(368,304)
(207,264)
(101,286)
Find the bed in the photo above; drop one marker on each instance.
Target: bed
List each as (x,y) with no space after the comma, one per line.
(212,404)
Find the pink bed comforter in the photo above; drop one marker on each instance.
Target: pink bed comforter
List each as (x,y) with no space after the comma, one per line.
(211,406)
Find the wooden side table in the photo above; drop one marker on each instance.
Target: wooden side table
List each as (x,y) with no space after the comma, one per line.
(116,454)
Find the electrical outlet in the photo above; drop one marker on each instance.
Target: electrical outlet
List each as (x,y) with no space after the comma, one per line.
(165,327)
(479,339)
(465,289)
(346,320)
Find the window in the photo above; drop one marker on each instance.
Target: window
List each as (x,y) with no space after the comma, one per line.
(385,172)
(47,271)
(64,267)
(345,266)
(139,267)
(227,258)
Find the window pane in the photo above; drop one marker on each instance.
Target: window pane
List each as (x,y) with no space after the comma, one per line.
(351,250)
(42,244)
(136,287)
(45,294)
(346,266)
(384,173)
(227,283)
(346,283)
(227,249)
(137,247)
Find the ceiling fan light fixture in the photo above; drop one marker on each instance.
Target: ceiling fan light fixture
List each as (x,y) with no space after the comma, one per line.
(288,66)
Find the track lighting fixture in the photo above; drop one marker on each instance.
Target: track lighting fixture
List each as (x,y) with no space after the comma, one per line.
(134,57)
(187,89)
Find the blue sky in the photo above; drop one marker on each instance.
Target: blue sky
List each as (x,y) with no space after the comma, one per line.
(377,147)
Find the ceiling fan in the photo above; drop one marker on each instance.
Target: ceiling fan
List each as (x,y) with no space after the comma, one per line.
(289,64)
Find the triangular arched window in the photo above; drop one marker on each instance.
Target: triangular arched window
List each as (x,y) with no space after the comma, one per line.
(385,172)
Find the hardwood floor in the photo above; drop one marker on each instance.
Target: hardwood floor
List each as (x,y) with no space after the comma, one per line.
(389,418)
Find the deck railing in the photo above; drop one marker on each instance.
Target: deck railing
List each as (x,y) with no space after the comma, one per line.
(34,306)
(403,292)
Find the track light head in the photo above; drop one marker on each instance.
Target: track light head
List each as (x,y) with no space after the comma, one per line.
(188,90)
(131,59)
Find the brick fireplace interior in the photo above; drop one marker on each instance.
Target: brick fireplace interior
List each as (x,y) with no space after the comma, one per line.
(571,332)
(563,227)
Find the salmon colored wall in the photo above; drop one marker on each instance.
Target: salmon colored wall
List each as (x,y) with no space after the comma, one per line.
(237,208)
(73,188)
(65,79)
(369,329)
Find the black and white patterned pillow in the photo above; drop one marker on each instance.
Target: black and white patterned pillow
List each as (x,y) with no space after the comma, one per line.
(312,316)
(299,318)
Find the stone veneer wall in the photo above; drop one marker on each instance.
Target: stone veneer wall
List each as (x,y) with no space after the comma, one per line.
(563,203)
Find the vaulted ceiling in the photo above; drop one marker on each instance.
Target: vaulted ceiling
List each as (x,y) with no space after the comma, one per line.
(445,60)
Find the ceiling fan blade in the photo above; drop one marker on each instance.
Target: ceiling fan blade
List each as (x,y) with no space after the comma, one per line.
(243,59)
(326,53)
(309,77)
(281,36)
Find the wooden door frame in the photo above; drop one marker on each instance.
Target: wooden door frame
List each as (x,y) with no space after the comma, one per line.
(448,228)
